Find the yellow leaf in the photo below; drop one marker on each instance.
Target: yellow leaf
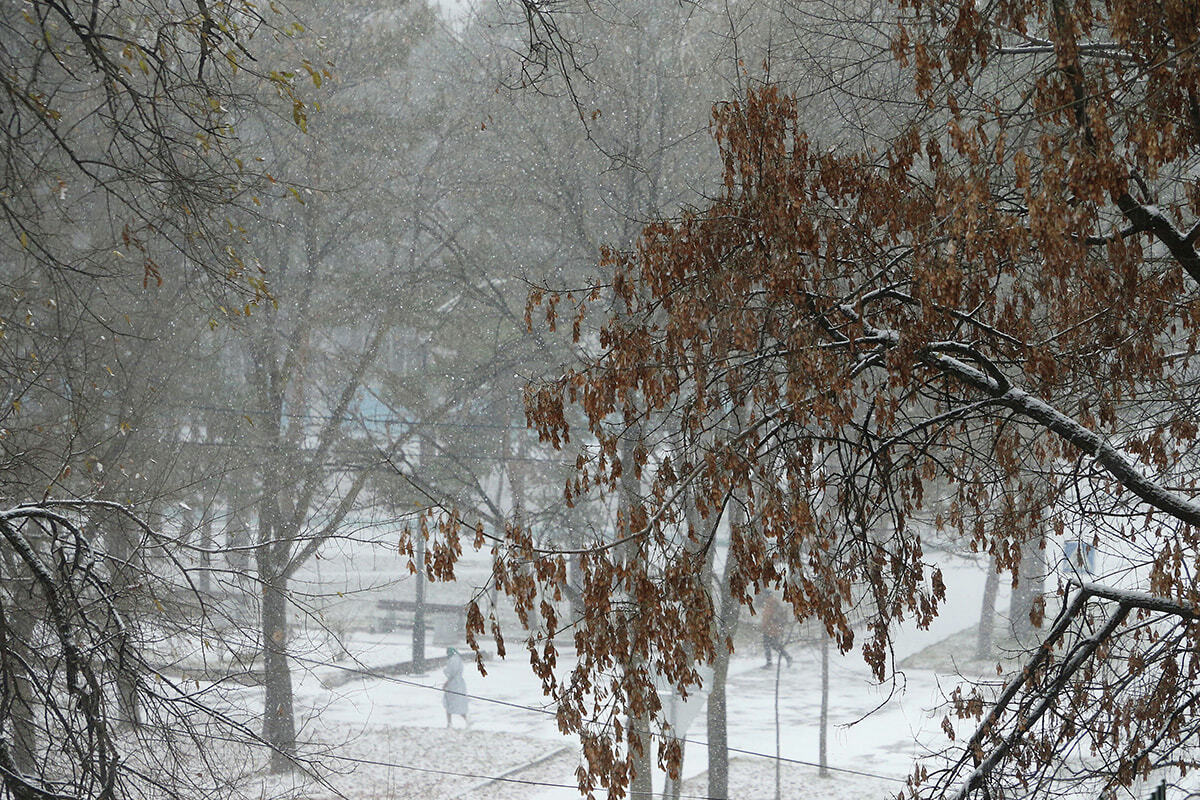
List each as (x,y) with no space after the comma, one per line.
(312,73)
(299,116)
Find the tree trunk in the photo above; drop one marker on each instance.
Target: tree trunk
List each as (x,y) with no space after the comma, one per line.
(642,785)
(1029,586)
(718,733)
(574,582)
(120,546)
(987,614)
(728,610)
(279,723)
(237,543)
(17,696)
(206,548)
(673,786)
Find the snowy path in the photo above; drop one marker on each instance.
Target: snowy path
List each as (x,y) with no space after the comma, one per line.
(884,743)
(399,721)
(508,704)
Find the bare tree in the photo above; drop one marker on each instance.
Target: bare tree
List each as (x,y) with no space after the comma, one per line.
(82,645)
(127,114)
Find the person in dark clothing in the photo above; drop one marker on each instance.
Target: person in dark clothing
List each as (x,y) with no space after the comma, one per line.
(774,625)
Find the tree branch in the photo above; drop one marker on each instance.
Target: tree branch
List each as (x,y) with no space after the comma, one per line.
(1149,218)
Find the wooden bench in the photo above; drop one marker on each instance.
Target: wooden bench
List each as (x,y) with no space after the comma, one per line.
(449,619)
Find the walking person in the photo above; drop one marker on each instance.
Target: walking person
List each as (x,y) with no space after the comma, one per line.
(774,625)
(454,690)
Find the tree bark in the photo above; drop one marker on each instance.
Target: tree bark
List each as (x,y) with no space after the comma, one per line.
(1029,586)
(718,733)
(17,696)
(987,614)
(279,723)
(237,539)
(206,548)
(641,787)
(728,611)
(120,547)
(673,786)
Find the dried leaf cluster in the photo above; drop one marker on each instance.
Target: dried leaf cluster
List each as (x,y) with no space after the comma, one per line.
(983,331)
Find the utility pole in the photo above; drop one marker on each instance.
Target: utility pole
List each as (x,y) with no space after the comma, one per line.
(418,629)
(778,754)
(823,759)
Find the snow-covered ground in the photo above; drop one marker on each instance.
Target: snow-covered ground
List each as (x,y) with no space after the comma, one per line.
(385,736)
(387,732)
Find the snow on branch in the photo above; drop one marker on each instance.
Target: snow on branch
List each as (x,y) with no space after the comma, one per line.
(1127,600)
(1005,394)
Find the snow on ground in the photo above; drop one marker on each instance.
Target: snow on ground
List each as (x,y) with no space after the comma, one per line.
(396,761)
(749,779)
(397,719)
(384,737)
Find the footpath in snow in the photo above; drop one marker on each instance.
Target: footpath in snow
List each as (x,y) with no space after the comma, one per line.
(384,736)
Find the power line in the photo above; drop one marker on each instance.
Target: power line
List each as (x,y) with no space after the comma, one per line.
(368,673)
(505,777)
(498,778)
(319,757)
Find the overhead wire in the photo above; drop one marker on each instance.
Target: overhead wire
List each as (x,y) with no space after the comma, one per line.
(308,762)
(500,778)
(373,674)
(367,673)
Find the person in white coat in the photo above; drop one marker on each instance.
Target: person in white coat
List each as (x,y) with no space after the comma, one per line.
(454,690)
